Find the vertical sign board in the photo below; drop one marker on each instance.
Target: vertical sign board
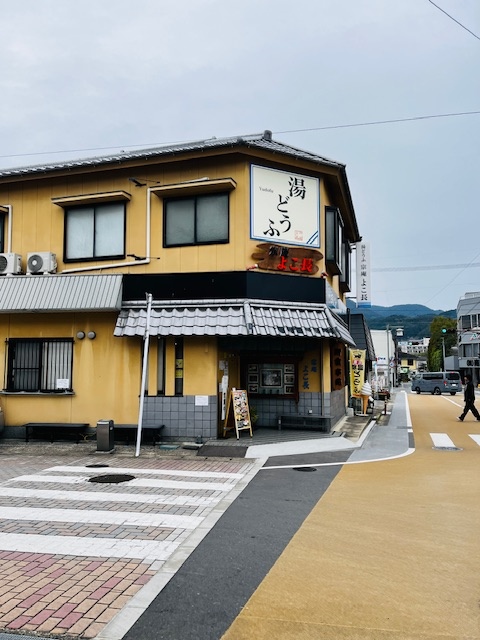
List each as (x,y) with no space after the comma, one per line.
(357,370)
(284,207)
(238,413)
(363,275)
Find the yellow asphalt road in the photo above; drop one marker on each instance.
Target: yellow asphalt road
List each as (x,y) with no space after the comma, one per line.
(391,551)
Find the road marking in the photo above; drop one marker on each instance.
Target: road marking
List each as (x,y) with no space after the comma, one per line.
(441,440)
(92,471)
(90,496)
(88,547)
(138,482)
(88,516)
(475,437)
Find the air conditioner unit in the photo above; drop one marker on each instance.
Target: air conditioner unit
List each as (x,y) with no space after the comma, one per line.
(41,262)
(10,263)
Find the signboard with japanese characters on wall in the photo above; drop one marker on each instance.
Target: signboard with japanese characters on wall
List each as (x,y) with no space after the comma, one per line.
(363,275)
(357,370)
(285,207)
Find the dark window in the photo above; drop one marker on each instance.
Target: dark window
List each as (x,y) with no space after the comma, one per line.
(201,219)
(40,365)
(179,367)
(161,366)
(2,232)
(345,260)
(452,376)
(95,232)
(333,240)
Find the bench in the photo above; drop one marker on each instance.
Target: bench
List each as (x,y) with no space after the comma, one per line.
(307,422)
(127,432)
(50,429)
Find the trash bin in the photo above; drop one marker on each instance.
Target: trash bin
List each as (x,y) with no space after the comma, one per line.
(105,435)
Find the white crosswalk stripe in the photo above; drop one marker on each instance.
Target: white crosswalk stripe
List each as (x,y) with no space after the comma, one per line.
(95,471)
(173,505)
(87,496)
(137,482)
(101,517)
(441,440)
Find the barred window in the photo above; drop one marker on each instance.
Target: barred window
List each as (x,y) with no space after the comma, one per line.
(40,365)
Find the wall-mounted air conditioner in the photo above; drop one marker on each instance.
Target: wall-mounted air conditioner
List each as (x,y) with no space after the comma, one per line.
(41,262)
(10,263)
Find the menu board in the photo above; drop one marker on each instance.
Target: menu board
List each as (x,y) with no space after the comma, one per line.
(238,413)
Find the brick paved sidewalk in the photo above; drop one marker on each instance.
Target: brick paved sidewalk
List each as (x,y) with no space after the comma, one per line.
(74,554)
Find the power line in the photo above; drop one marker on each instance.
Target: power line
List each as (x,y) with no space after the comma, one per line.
(455,20)
(376,122)
(336,126)
(429,268)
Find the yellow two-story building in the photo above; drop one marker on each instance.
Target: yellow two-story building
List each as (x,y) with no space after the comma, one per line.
(231,255)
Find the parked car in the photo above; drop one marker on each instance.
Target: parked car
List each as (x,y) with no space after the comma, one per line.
(437,382)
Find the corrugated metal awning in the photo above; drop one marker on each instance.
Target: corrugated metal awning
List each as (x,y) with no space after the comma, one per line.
(56,292)
(233,318)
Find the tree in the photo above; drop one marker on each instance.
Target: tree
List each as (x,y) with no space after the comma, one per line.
(443,331)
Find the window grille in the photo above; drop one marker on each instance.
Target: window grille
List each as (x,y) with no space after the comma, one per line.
(43,365)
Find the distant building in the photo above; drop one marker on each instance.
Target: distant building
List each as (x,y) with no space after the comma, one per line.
(409,364)
(468,326)
(414,346)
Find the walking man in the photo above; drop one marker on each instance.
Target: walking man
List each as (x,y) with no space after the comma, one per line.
(469,397)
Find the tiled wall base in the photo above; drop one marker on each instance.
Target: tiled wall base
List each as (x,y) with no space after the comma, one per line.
(187,421)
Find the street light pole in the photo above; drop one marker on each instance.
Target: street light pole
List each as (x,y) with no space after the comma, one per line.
(398,334)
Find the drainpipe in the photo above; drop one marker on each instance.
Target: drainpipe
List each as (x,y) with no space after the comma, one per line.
(146,341)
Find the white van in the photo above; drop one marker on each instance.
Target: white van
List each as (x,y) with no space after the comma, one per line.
(437,382)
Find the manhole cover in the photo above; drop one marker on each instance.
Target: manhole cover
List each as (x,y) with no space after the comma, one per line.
(447,448)
(304,469)
(113,478)
(96,466)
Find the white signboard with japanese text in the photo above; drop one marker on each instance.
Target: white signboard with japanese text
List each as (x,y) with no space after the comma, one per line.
(285,207)
(363,275)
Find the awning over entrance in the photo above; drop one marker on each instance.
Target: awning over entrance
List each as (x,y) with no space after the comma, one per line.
(51,292)
(237,317)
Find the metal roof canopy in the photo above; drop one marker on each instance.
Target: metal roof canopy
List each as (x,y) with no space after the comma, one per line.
(232,317)
(51,292)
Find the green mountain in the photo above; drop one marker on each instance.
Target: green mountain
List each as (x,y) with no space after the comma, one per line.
(414,318)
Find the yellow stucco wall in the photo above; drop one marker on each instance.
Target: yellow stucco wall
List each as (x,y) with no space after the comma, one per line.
(106,364)
(200,366)
(38,224)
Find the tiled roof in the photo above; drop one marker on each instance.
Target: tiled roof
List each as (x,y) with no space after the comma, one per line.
(361,334)
(52,292)
(237,317)
(259,141)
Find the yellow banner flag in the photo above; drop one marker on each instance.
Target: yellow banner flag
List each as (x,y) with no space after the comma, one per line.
(357,370)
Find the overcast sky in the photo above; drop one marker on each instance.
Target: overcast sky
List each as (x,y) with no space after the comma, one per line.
(89,77)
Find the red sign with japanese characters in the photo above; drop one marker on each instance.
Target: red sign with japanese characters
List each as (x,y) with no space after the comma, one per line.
(276,257)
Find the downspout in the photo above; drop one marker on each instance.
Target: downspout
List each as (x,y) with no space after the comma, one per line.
(113,265)
(146,341)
